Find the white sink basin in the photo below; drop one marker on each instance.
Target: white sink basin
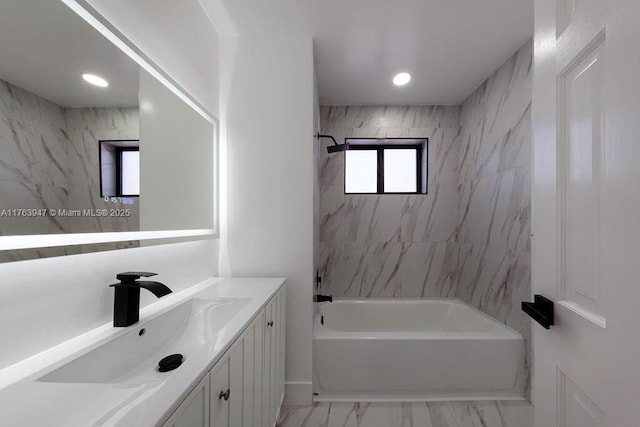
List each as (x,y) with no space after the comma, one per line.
(133,358)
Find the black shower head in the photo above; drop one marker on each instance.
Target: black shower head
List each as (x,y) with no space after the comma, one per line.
(337,148)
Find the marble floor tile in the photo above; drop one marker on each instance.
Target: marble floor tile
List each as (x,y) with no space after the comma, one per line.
(432,414)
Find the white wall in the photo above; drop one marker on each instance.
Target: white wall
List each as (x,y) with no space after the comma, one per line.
(176,167)
(267,111)
(175,34)
(47,301)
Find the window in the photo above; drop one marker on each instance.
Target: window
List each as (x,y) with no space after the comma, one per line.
(128,172)
(386,166)
(119,168)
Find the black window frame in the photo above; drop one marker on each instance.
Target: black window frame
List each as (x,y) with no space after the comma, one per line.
(421,148)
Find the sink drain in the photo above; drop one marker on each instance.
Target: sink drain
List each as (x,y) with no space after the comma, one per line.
(170,363)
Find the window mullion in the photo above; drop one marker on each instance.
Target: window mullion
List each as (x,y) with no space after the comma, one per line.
(381,170)
(418,170)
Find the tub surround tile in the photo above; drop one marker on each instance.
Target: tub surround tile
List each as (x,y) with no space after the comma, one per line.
(494,271)
(384,270)
(390,117)
(432,414)
(430,218)
(361,270)
(495,210)
(429,270)
(372,218)
(332,214)
(365,239)
(496,119)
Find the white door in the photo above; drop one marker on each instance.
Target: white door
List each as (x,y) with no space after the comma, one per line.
(586,212)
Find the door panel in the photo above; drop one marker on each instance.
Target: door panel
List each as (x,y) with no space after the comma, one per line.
(579,152)
(586,211)
(576,409)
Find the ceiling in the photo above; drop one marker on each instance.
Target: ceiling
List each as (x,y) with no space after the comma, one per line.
(45,48)
(449,46)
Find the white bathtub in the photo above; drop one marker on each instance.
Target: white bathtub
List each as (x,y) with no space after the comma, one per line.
(413,350)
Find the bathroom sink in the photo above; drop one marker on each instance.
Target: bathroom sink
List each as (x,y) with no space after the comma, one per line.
(132,358)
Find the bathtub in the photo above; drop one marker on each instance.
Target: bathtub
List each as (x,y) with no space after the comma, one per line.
(413,350)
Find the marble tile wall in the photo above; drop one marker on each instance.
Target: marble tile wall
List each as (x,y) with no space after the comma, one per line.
(49,159)
(494,225)
(469,237)
(85,128)
(33,146)
(390,245)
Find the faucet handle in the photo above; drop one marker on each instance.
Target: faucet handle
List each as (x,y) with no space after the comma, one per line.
(132,276)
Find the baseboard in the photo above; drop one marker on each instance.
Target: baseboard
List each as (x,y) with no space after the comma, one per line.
(297,394)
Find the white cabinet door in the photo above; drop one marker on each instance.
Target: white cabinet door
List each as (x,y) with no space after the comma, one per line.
(236,368)
(282,346)
(245,388)
(258,370)
(266,374)
(194,411)
(248,375)
(220,394)
(279,353)
(275,350)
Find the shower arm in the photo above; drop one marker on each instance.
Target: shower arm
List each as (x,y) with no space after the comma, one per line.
(318,136)
(335,148)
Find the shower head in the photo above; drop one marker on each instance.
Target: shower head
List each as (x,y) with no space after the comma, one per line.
(335,148)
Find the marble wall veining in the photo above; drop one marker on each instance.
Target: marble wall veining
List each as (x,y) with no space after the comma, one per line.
(494,264)
(86,127)
(49,160)
(469,236)
(390,245)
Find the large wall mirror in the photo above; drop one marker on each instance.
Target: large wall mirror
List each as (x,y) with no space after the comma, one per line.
(99,149)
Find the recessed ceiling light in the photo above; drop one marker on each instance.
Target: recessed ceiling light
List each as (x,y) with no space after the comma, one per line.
(95,80)
(401,79)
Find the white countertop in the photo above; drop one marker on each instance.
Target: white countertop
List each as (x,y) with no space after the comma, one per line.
(24,401)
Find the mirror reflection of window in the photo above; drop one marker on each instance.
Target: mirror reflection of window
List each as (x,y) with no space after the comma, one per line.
(120,168)
(130,172)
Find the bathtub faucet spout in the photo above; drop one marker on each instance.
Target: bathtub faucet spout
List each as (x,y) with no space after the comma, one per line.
(322,298)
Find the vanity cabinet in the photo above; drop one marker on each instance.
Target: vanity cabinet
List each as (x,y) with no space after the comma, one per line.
(194,411)
(246,386)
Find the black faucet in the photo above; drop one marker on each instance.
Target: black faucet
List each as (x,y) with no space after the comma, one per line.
(323,298)
(126,305)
